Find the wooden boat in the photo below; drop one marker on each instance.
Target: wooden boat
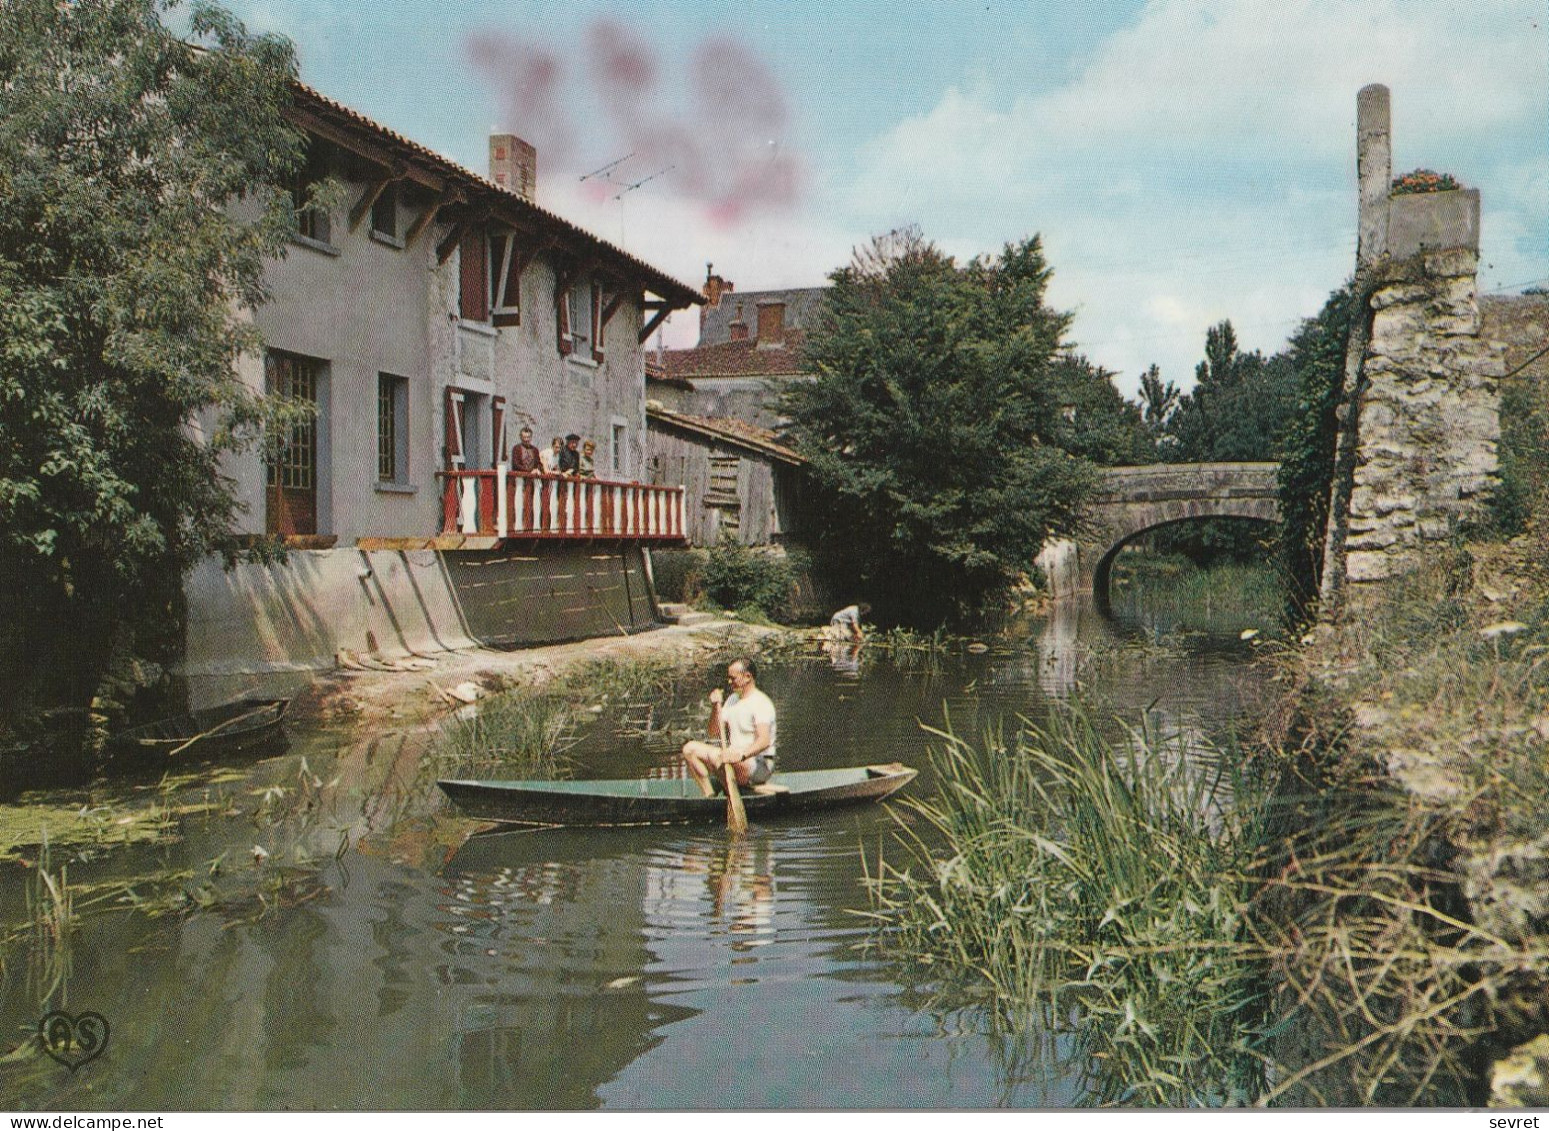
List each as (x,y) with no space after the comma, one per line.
(653,801)
(214,732)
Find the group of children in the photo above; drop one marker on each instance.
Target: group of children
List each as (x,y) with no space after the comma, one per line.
(568,456)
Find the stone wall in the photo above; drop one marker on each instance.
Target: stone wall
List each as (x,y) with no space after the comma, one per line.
(1429,415)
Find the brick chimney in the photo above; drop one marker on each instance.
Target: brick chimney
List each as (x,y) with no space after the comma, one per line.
(715,287)
(771,321)
(737,328)
(513,164)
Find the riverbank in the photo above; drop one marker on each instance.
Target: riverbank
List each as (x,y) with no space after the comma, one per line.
(1437,688)
(370,698)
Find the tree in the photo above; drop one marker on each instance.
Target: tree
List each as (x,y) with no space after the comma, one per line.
(1095,420)
(140,196)
(932,430)
(1317,357)
(1158,406)
(1239,406)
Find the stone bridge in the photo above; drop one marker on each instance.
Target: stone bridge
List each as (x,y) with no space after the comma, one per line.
(1137,499)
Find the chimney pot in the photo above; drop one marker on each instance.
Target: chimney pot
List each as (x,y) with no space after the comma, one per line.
(737,328)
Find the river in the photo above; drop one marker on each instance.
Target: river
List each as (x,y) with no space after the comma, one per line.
(394,962)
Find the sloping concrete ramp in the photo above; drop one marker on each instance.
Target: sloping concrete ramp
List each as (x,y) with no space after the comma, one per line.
(297,616)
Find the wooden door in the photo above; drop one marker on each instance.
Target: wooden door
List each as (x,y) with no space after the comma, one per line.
(291,505)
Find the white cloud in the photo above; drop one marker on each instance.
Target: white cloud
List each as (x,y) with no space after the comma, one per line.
(1201,166)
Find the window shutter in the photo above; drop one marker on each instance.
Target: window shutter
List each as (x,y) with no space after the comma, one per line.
(562,321)
(474,278)
(454,430)
(597,353)
(505,272)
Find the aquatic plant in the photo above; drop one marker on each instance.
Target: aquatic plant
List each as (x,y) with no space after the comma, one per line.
(513,734)
(1078,879)
(51,915)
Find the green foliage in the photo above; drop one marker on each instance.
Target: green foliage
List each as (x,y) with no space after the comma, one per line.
(1239,406)
(749,580)
(139,201)
(1524,453)
(1317,356)
(1102,883)
(1158,405)
(934,431)
(1095,420)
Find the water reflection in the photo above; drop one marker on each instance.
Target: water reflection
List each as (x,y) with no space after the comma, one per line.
(622,968)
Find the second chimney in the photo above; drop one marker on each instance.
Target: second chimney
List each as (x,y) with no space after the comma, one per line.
(513,164)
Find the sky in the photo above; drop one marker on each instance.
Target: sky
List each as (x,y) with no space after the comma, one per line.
(1183,161)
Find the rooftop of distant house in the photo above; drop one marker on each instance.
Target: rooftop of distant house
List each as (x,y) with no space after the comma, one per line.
(744,333)
(728,429)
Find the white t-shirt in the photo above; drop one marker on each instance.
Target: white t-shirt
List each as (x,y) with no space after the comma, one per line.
(847,617)
(740,719)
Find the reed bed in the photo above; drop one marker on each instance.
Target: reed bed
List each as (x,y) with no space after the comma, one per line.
(1091,887)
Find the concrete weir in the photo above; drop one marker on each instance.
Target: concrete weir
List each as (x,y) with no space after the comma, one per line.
(296,616)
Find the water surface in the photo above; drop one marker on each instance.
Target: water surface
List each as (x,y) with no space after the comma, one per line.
(623,968)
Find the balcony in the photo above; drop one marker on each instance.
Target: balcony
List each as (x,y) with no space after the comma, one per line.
(481,509)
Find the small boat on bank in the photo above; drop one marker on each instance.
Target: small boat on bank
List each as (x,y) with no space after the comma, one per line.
(215,732)
(659,801)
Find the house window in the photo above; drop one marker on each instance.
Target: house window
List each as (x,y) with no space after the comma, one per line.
(473,278)
(392,429)
(293,462)
(311,222)
(505,279)
(384,213)
(581,302)
(619,461)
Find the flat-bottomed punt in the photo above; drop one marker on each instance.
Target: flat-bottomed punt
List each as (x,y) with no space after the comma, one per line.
(216,732)
(661,801)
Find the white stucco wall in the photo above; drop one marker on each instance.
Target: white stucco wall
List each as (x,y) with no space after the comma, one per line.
(361,311)
(373,308)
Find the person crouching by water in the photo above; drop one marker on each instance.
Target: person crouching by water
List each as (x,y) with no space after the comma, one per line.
(743,728)
(846,623)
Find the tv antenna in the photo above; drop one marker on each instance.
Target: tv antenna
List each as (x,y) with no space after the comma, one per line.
(605,173)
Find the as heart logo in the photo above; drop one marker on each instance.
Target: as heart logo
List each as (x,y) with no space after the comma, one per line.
(73,1040)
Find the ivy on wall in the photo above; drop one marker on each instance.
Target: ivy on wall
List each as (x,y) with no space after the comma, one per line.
(1317,351)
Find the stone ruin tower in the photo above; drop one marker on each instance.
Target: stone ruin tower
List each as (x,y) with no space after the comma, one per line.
(1416,453)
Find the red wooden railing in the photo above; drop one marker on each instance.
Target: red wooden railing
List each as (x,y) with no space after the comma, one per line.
(503,504)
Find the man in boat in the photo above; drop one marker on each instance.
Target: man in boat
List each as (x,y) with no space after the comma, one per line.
(743,728)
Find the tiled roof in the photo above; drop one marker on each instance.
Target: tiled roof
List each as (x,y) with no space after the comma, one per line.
(765,441)
(658,281)
(745,358)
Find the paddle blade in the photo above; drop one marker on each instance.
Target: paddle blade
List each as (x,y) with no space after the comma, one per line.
(736,815)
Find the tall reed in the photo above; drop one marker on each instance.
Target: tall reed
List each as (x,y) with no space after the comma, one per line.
(1079,879)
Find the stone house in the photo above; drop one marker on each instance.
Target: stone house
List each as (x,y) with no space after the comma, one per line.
(750,344)
(428,317)
(437,312)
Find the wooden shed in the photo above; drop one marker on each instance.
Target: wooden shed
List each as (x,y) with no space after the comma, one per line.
(739,480)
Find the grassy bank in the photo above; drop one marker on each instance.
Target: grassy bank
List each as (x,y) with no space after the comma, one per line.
(1229,597)
(1356,915)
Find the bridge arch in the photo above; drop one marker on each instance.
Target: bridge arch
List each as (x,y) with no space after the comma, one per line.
(1134,500)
